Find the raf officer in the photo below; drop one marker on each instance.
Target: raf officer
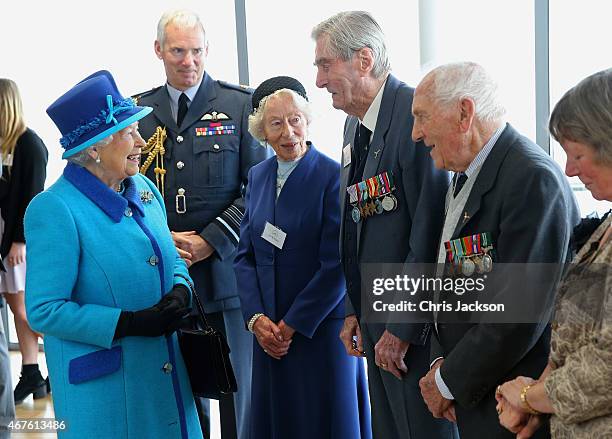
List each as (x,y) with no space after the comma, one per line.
(199,154)
(352,64)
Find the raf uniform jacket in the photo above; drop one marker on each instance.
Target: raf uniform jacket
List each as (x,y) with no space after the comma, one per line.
(409,233)
(207,159)
(524,201)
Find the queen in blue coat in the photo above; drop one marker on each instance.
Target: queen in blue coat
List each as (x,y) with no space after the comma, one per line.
(291,283)
(105,283)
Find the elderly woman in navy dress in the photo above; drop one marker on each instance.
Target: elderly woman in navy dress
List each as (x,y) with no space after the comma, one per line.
(105,283)
(291,283)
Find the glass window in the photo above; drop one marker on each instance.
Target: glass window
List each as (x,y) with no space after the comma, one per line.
(500,37)
(280,44)
(580,36)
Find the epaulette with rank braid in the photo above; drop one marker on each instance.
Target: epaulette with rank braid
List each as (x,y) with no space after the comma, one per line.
(137,96)
(242,88)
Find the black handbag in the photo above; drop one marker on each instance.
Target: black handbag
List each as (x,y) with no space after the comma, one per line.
(206,355)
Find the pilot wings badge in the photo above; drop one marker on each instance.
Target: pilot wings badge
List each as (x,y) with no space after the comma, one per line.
(214,116)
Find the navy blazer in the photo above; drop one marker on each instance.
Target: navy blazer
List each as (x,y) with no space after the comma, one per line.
(302,283)
(523,199)
(411,232)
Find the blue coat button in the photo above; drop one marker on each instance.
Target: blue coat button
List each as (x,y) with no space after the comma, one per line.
(128,212)
(153,260)
(167,367)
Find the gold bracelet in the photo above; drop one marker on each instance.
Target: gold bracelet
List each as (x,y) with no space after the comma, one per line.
(526,405)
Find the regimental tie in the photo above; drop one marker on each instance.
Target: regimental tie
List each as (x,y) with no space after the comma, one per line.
(458,183)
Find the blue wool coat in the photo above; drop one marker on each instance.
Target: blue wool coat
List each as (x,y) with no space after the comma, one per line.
(92,253)
(316,390)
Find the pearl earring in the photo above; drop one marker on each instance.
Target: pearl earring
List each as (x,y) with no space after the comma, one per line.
(98,159)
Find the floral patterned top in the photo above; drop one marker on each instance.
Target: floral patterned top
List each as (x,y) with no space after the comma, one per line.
(580,384)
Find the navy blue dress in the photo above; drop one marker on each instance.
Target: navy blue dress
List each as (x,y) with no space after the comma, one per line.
(316,390)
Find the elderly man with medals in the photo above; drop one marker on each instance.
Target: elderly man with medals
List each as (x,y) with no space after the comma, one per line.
(490,220)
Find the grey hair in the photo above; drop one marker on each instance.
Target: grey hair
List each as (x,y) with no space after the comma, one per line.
(584,115)
(178,17)
(82,158)
(456,81)
(351,31)
(256,119)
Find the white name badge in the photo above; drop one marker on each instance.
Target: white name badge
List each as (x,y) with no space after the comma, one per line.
(346,155)
(274,235)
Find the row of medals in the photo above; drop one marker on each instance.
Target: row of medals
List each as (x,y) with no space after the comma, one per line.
(382,200)
(385,203)
(479,263)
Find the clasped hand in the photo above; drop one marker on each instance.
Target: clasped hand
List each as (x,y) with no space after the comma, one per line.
(192,247)
(163,318)
(512,415)
(274,339)
(439,406)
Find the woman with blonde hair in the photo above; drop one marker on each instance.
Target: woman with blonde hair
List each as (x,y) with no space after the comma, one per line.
(24,161)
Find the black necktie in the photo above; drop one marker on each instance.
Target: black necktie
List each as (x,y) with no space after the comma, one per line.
(458,182)
(182,109)
(362,141)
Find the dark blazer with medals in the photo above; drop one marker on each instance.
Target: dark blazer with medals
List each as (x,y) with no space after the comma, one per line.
(206,160)
(521,198)
(411,231)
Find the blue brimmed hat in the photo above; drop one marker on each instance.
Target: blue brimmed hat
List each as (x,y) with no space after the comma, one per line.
(92,110)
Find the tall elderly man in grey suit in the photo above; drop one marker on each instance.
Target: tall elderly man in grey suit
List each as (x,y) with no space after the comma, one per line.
(353,66)
(508,191)
(199,153)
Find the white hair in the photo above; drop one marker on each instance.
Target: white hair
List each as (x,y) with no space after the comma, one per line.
(351,31)
(256,119)
(178,17)
(83,158)
(450,83)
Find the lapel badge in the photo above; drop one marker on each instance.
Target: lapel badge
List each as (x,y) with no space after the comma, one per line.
(466,217)
(146,196)
(376,153)
(214,116)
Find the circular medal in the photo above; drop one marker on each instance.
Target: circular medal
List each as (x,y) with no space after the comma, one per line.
(387,203)
(379,207)
(479,265)
(468,267)
(487,263)
(356,214)
(394,201)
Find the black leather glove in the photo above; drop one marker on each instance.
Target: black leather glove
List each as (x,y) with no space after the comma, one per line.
(163,318)
(178,295)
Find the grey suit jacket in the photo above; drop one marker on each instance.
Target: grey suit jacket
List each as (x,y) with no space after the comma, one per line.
(409,233)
